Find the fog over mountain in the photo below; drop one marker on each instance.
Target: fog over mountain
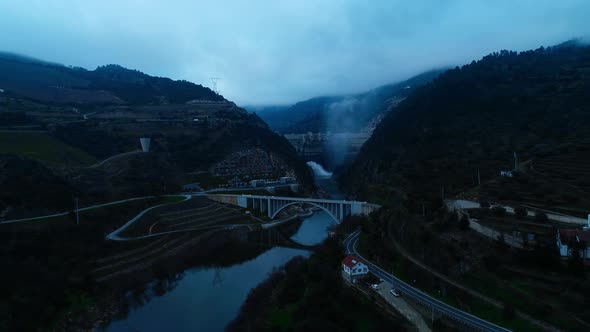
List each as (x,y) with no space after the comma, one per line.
(269,52)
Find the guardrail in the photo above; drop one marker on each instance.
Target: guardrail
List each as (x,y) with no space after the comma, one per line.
(426,299)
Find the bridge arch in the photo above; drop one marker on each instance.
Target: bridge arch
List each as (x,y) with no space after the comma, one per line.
(310,203)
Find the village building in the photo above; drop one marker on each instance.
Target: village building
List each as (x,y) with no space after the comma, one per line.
(354,268)
(568,239)
(287,179)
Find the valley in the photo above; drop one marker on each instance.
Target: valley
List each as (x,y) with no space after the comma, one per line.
(454,199)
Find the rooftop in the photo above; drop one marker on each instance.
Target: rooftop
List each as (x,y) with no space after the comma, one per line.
(351,261)
(571,234)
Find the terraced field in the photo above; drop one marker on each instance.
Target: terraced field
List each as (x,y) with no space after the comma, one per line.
(146,255)
(199,213)
(170,229)
(559,183)
(572,169)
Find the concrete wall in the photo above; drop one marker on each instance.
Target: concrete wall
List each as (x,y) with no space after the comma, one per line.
(145,143)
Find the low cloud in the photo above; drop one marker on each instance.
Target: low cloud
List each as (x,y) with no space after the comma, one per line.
(275,52)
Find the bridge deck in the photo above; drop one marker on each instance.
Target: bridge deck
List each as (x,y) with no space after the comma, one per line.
(272,205)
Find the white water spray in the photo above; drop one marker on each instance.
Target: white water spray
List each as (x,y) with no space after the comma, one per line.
(318,170)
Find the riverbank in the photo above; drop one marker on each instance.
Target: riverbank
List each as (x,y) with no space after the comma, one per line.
(290,297)
(212,278)
(222,250)
(113,300)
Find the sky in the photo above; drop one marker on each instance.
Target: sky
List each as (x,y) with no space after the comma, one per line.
(281,52)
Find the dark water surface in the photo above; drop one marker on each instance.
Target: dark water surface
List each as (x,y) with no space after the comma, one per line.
(314,229)
(207,299)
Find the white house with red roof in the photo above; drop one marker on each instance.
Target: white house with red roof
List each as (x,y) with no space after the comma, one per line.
(354,268)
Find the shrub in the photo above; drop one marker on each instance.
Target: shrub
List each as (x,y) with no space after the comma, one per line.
(541,217)
(520,212)
(464,223)
(452,218)
(508,312)
(498,211)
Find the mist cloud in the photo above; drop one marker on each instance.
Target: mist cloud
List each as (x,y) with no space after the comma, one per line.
(284,51)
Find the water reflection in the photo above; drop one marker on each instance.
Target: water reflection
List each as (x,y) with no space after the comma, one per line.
(314,229)
(206,299)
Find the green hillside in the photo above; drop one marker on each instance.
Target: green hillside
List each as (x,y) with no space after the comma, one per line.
(42,147)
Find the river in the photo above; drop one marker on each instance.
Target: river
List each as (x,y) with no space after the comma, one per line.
(207,299)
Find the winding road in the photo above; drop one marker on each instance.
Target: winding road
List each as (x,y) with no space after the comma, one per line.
(421,297)
(116,157)
(114,236)
(551,215)
(40,218)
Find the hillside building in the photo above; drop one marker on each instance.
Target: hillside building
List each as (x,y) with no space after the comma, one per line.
(354,268)
(567,240)
(286,179)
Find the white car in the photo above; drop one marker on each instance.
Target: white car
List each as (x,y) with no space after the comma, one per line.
(375,286)
(394,292)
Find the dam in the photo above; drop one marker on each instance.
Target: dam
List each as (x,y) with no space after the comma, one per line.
(331,149)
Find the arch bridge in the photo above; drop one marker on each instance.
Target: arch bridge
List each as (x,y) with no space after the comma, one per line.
(272,205)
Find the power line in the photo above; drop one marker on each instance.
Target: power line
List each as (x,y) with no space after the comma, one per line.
(77,212)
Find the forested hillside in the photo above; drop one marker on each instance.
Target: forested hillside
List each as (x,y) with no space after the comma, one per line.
(473,118)
(282,119)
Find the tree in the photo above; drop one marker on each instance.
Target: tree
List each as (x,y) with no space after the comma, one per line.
(520,212)
(464,223)
(72,215)
(576,261)
(452,217)
(541,217)
(508,312)
(499,211)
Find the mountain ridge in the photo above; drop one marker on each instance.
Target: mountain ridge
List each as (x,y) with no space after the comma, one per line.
(44,81)
(340,113)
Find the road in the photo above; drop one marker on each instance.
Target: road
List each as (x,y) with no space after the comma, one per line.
(11,131)
(81,209)
(114,236)
(421,297)
(85,116)
(400,304)
(115,157)
(247,188)
(551,215)
(462,205)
